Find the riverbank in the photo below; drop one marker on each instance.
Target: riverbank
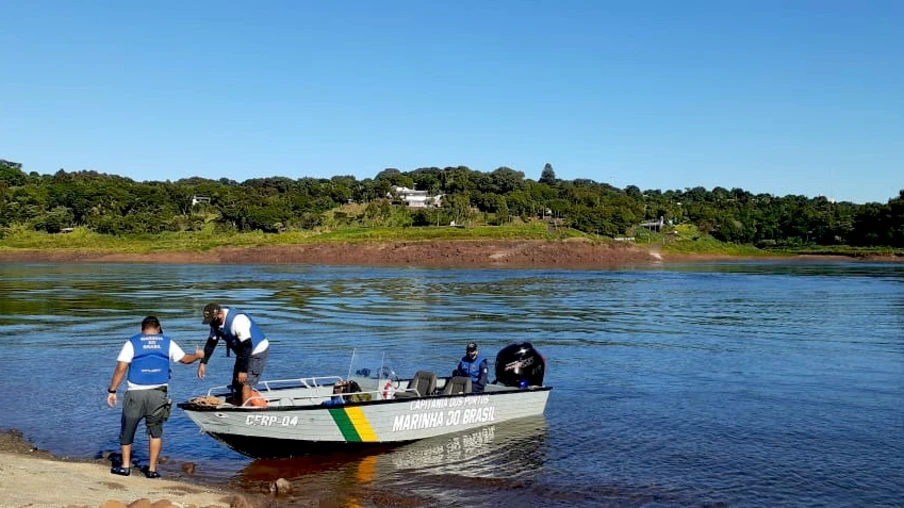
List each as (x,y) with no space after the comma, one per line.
(573,253)
(36,479)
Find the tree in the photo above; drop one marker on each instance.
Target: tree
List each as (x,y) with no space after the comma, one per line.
(507,179)
(459,206)
(548,175)
(11,173)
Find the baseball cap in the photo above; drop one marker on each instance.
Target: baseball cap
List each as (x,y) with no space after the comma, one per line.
(472,346)
(210,312)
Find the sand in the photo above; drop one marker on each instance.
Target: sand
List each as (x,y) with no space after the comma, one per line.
(34,478)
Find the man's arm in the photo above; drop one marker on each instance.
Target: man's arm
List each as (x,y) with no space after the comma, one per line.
(244,356)
(483,375)
(209,347)
(241,329)
(193,357)
(118,374)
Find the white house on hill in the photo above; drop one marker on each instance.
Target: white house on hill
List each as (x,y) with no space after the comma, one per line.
(417,199)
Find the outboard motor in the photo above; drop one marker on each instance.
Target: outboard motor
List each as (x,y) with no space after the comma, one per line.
(520,365)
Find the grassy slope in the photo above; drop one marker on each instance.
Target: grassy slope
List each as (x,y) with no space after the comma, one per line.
(687,240)
(690,241)
(84,240)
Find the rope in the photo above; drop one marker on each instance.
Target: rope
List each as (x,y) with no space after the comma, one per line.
(206,401)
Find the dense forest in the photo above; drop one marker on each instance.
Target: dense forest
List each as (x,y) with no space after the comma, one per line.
(115,205)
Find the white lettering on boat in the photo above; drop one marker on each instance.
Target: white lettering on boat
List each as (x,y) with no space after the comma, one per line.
(432,419)
(271,420)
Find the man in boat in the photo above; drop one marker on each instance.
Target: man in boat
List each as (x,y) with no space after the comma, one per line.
(473,366)
(336,399)
(144,360)
(242,337)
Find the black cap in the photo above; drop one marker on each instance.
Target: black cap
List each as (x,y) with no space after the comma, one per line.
(472,346)
(210,312)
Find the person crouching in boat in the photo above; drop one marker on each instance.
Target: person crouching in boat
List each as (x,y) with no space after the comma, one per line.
(336,399)
(242,337)
(145,358)
(474,366)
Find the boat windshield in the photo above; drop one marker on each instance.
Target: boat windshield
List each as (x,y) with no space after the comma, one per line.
(372,366)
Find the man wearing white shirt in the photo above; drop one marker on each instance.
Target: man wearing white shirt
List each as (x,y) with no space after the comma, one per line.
(242,337)
(145,358)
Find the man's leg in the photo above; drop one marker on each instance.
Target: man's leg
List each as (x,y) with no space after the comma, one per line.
(126,451)
(157,414)
(131,415)
(235,387)
(255,370)
(155,444)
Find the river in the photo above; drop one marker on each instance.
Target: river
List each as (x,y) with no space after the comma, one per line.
(719,383)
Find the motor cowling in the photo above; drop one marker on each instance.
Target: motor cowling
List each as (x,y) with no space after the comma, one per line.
(520,365)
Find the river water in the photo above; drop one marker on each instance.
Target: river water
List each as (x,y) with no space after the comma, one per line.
(735,384)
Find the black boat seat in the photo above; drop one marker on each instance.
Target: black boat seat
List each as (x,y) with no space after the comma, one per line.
(423,382)
(457,385)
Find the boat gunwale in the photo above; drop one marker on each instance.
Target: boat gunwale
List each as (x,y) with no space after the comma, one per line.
(190,406)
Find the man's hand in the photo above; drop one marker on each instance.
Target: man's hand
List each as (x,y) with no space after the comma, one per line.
(242,377)
(111,399)
(202,369)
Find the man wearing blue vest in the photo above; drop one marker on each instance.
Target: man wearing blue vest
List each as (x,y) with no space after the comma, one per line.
(475,367)
(145,361)
(242,337)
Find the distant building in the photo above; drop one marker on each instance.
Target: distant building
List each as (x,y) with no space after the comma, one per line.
(417,199)
(655,224)
(196,200)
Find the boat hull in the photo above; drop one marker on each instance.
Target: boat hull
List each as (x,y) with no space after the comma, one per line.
(285,431)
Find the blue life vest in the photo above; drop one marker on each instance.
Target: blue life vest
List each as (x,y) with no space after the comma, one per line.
(470,368)
(150,364)
(232,342)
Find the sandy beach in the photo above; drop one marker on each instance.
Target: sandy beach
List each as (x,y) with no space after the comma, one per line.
(36,479)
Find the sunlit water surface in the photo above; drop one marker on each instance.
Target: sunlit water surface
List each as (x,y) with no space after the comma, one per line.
(726,383)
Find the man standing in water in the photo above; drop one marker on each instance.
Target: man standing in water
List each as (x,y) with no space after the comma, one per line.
(242,337)
(145,357)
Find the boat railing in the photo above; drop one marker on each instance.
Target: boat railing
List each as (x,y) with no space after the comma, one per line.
(269,386)
(268,391)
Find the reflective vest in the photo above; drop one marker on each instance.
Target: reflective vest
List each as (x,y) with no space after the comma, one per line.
(232,342)
(470,368)
(150,364)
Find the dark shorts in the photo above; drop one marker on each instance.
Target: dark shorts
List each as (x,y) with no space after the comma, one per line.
(255,369)
(150,405)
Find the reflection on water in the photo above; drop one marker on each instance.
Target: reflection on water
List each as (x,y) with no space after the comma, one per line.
(726,383)
(504,456)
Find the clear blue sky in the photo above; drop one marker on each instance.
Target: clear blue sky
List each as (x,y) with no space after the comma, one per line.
(781,97)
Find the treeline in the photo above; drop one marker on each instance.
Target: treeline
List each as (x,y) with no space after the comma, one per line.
(116,205)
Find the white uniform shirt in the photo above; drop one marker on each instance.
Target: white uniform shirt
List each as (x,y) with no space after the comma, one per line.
(241,329)
(127,353)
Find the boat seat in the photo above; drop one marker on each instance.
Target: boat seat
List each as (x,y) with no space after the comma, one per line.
(457,385)
(423,382)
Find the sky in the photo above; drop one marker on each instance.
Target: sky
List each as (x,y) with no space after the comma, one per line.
(802,97)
